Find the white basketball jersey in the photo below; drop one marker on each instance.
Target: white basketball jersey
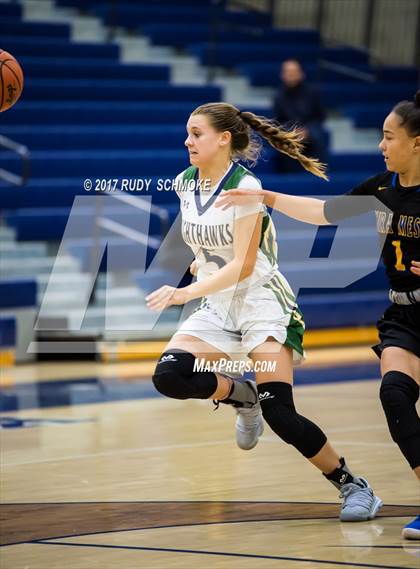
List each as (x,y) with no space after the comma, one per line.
(209,230)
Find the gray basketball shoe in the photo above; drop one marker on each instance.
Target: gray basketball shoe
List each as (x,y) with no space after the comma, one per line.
(249,423)
(359,502)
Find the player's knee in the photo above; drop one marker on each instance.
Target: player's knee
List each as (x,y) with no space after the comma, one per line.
(399,394)
(277,405)
(172,374)
(174,377)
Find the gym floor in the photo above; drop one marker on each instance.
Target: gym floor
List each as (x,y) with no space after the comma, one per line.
(97,471)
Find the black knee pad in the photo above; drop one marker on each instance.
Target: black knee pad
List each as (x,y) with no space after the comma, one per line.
(278,408)
(399,394)
(174,377)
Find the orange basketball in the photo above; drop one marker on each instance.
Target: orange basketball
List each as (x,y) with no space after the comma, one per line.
(11,80)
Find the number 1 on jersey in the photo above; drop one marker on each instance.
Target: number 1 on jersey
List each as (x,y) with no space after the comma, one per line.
(399,265)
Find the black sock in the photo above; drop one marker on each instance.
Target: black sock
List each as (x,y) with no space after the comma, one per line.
(341,475)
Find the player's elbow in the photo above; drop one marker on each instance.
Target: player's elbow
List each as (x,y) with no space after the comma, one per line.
(246,270)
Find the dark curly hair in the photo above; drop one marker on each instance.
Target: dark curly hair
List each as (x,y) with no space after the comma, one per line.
(409,113)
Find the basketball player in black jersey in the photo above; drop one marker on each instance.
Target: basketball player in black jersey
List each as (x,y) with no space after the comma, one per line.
(398,189)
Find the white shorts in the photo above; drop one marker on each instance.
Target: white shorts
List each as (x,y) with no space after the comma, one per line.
(237,325)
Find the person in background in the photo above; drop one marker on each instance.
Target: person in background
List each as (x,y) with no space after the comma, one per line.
(297,104)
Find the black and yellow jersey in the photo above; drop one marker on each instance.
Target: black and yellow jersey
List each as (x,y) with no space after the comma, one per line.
(401,224)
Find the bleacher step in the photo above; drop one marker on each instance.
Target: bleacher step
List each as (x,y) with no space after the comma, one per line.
(83,28)
(120,296)
(64,283)
(7,234)
(161,331)
(62,302)
(137,49)
(114,317)
(14,250)
(346,138)
(14,267)
(46,11)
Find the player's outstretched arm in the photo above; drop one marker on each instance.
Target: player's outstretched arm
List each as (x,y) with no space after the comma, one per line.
(308,210)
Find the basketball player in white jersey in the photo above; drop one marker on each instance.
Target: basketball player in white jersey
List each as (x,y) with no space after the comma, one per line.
(247,309)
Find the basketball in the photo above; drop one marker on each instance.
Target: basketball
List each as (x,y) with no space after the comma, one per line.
(11,80)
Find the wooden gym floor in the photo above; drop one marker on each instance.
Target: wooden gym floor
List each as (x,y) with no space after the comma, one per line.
(134,480)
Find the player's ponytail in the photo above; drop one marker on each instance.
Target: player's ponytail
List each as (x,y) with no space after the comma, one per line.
(247,146)
(409,113)
(285,141)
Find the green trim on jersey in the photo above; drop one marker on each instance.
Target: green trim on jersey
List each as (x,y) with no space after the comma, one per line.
(278,291)
(189,173)
(238,172)
(268,241)
(287,301)
(295,332)
(287,293)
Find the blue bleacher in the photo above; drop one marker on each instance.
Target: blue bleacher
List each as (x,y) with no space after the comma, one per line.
(95,68)
(133,15)
(349,309)
(92,112)
(181,35)
(397,73)
(82,137)
(114,90)
(49,223)
(125,163)
(266,74)
(338,162)
(233,54)
(7,332)
(60,192)
(151,280)
(334,94)
(367,115)
(17,293)
(275,51)
(10,10)
(15,28)
(125,253)
(337,95)
(89,4)
(58,47)
(345,55)
(83,114)
(99,163)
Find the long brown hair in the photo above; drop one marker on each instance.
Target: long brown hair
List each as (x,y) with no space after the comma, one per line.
(246,146)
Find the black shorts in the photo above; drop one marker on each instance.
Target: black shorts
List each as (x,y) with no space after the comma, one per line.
(400,327)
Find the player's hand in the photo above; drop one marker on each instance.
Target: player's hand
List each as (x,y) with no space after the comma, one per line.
(194,268)
(239,197)
(166,296)
(415,267)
